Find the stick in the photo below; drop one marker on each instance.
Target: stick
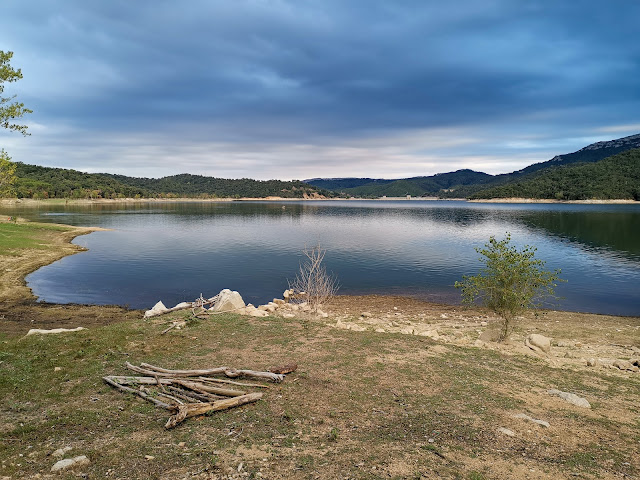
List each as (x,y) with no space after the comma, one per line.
(178,401)
(202,388)
(193,397)
(137,392)
(192,409)
(231,382)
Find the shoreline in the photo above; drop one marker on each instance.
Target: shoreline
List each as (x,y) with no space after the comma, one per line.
(28,202)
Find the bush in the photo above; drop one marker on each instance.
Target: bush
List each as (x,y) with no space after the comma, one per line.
(312,283)
(510,283)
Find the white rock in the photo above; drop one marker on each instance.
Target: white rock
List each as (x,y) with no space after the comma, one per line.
(41,331)
(279,301)
(506,431)
(571,398)
(366,314)
(380,330)
(592,362)
(288,315)
(538,343)
(228,301)
(157,308)
(70,462)
(61,451)
(524,416)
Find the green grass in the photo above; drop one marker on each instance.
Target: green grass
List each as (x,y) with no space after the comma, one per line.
(15,236)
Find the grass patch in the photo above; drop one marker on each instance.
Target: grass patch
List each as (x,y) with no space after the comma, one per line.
(16,236)
(359,400)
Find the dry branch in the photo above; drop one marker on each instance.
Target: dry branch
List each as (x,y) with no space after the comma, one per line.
(148,369)
(192,409)
(137,392)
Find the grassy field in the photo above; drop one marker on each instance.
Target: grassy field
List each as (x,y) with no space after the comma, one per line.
(15,237)
(361,405)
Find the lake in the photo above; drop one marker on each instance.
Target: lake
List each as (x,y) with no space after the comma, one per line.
(175,251)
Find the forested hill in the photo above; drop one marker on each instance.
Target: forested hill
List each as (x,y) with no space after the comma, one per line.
(415,186)
(44,182)
(615,177)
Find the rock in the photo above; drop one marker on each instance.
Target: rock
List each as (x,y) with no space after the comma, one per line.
(592,362)
(571,398)
(322,314)
(506,431)
(182,305)
(69,463)
(407,331)
(255,312)
(483,324)
(635,361)
(524,416)
(427,333)
(625,365)
(380,330)
(288,315)
(279,301)
(157,308)
(228,301)
(366,314)
(57,369)
(538,343)
(41,331)
(61,451)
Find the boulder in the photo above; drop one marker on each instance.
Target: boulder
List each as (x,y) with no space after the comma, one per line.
(228,301)
(538,343)
(157,308)
(571,398)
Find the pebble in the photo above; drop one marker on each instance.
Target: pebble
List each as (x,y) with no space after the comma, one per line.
(61,451)
(507,432)
(524,416)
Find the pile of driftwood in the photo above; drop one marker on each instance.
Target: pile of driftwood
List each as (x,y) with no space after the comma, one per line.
(187,393)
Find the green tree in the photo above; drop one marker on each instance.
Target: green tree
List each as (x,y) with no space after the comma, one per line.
(9,109)
(7,175)
(511,282)
(9,112)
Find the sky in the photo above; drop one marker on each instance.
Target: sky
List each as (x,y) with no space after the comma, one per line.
(297,89)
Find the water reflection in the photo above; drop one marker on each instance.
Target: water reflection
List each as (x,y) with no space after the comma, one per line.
(175,251)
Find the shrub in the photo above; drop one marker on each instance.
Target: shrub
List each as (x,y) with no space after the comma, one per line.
(510,283)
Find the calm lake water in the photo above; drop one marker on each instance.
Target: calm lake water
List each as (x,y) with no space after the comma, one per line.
(175,251)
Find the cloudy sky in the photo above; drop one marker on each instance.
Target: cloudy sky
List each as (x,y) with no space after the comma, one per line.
(318,88)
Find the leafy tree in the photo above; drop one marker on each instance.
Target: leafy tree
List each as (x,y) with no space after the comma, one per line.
(10,111)
(510,283)
(7,174)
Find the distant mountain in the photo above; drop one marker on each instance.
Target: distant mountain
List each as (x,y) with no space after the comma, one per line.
(468,183)
(614,177)
(591,153)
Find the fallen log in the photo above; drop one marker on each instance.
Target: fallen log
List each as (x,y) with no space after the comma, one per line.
(192,409)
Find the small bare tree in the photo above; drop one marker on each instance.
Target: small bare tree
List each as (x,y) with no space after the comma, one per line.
(312,283)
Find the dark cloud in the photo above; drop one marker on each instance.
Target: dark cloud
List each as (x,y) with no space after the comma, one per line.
(236,76)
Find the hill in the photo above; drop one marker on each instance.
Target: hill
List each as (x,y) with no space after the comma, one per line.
(45,182)
(415,186)
(615,177)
